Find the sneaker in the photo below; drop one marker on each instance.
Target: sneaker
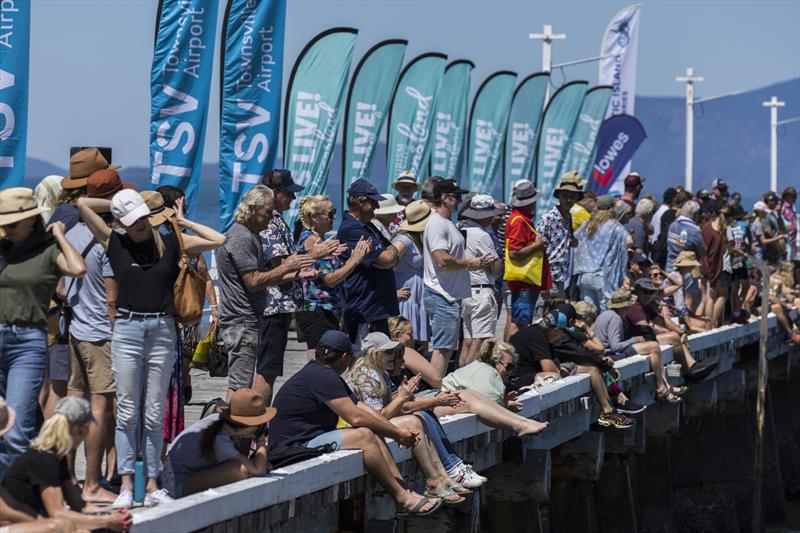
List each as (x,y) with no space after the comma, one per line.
(466,477)
(475,474)
(630,408)
(124,500)
(616,420)
(157,497)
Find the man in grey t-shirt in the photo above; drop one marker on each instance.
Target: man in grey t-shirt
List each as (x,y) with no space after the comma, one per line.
(243,277)
(446,275)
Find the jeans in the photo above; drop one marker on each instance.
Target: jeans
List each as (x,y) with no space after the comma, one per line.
(142,354)
(439,440)
(23,357)
(592,287)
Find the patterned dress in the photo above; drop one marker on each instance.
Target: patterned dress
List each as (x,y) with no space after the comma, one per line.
(408,273)
(315,294)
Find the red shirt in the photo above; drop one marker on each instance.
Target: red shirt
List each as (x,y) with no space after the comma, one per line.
(519,234)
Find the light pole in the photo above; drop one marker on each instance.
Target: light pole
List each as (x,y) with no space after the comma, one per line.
(690,80)
(547,37)
(773,104)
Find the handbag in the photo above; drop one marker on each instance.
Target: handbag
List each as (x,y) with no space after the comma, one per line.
(189,290)
(217,360)
(527,270)
(200,357)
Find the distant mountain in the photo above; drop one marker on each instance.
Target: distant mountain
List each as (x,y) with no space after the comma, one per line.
(731,142)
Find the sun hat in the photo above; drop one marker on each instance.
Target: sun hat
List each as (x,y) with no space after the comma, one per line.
(83,164)
(361,187)
(7,417)
(481,206)
(686,259)
(159,213)
(406,178)
(248,408)
(105,183)
(335,340)
(280,179)
(388,206)
(378,341)
(570,181)
(417,214)
(17,203)
(128,206)
(605,202)
(524,193)
(76,410)
(47,192)
(622,298)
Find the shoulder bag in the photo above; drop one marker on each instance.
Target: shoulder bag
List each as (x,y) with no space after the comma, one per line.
(527,270)
(189,290)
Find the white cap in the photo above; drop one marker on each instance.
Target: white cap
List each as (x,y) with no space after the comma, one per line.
(388,206)
(128,206)
(379,341)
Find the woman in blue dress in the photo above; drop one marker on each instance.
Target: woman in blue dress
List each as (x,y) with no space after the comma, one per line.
(408,273)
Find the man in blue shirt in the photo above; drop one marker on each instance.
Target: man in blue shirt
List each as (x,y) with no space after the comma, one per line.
(371,298)
(684,235)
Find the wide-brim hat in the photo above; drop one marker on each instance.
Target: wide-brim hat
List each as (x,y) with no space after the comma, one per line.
(481,207)
(7,417)
(571,181)
(17,203)
(388,206)
(622,298)
(81,165)
(159,213)
(406,178)
(248,408)
(523,194)
(686,259)
(418,213)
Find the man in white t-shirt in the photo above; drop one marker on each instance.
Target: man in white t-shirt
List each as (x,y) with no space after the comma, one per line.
(446,273)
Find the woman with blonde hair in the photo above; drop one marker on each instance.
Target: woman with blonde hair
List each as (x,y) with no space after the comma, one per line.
(143,342)
(323,296)
(601,257)
(39,480)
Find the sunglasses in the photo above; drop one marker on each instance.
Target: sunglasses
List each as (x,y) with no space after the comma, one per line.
(331,213)
(656,274)
(508,366)
(10,226)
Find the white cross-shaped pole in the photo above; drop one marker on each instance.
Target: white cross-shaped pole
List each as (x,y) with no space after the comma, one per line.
(773,104)
(547,37)
(690,80)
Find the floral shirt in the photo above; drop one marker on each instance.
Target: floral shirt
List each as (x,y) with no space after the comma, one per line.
(366,383)
(558,232)
(277,241)
(316,295)
(790,218)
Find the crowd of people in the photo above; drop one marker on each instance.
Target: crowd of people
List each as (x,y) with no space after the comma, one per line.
(398,303)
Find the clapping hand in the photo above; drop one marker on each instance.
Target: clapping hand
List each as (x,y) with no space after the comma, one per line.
(448,399)
(325,248)
(512,402)
(409,386)
(298,261)
(362,248)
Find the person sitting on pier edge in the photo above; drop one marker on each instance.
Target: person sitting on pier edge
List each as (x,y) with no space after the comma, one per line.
(544,346)
(310,404)
(370,379)
(609,328)
(206,454)
(39,479)
(643,320)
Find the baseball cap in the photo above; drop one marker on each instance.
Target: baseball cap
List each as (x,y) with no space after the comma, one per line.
(361,187)
(379,341)
(640,258)
(335,340)
(719,183)
(702,193)
(447,186)
(76,410)
(128,206)
(280,179)
(633,179)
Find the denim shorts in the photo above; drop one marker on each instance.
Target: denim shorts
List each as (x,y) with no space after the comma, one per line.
(333,438)
(523,305)
(445,320)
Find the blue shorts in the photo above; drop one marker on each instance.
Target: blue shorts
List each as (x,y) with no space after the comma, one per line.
(523,304)
(445,318)
(333,438)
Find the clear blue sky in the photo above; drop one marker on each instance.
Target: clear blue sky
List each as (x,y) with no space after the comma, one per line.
(90,59)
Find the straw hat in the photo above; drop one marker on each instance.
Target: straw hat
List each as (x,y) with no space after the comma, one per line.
(687,259)
(406,178)
(248,408)
(81,165)
(159,213)
(417,214)
(17,203)
(388,206)
(621,298)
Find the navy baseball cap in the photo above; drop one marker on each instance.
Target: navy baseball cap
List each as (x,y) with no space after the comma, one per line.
(280,179)
(362,187)
(336,340)
(447,186)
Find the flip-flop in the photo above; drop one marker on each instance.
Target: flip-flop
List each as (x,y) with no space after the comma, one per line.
(460,489)
(669,397)
(422,503)
(446,494)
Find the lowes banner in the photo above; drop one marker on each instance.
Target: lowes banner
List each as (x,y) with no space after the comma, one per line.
(371,91)
(580,153)
(180,82)
(450,120)
(250,101)
(620,41)
(314,102)
(487,130)
(620,137)
(523,125)
(557,126)
(15,22)
(411,116)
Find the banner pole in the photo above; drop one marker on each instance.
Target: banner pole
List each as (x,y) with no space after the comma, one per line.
(773,104)
(690,80)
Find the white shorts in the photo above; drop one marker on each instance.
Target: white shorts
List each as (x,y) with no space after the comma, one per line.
(479,313)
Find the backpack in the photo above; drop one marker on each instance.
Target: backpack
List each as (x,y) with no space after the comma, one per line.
(280,455)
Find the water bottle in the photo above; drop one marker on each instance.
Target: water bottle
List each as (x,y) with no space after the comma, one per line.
(138,480)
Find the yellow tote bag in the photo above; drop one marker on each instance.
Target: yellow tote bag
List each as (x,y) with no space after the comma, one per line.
(526,270)
(200,357)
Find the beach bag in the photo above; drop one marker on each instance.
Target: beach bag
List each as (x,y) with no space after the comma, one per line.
(189,291)
(280,455)
(200,357)
(526,270)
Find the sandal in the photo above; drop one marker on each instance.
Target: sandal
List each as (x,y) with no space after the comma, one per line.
(669,397)
(449,497)
(460,489)
(422,503)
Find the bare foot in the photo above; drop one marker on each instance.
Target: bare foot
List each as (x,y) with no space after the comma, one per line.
(532,427)
(98,495)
